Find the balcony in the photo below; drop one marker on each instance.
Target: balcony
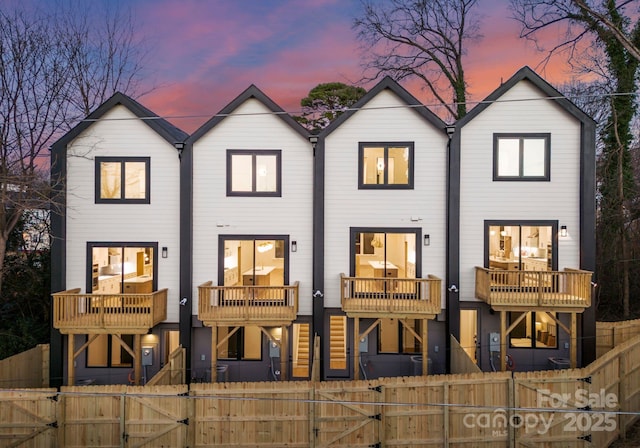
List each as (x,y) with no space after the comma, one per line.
(245,305)
(391,297)
(75,313)
(560,291)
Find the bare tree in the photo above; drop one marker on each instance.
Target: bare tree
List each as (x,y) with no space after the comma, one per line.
(424,39)
(44,63)
(606,28)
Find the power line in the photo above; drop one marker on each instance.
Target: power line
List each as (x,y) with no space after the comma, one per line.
(403,106)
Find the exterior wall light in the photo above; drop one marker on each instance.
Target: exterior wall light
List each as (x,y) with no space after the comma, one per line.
(563,231)
(165,252)
(294,246)
(427,240)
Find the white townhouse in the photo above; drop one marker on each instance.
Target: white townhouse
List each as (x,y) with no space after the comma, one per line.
(250,172)
(523,174)
(386,235)
(116,245)
(383,212)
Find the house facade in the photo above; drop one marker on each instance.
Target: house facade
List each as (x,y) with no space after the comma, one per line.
(381,237)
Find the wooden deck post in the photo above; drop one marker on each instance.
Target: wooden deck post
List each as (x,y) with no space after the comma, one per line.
(137,350)
(425,348)
(573,354)
(71,370)
(503,341)
(214,353)
(284,354)
(356,348)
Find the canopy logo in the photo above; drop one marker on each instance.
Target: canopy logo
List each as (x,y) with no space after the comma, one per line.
(590,413)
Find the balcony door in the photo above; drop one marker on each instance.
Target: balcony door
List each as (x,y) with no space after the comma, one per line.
(379,254)
(117,268)
(254,261)
(525,246)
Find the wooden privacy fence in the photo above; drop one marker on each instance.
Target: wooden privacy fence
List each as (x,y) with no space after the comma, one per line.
(611,334)
(26,369)
(588,407)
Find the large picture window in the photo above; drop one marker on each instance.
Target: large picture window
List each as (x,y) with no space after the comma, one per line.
(240,343)
(109,351)
(521,156)
(385,165)
(533,330)
(397,337)
(254,173)
(122,180)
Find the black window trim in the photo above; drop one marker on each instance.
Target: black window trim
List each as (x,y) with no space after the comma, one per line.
(522,137)
(94,244)
(385,186)
(222,239)
(123,160)
(532,316)
(109,365)
(255,152)
(353,232)
(519,222)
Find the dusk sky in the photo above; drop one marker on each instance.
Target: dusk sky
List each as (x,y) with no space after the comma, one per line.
(205,53)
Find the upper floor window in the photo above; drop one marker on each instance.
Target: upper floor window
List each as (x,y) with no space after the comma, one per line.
(521,156)
(122,179)
(254,173)
(385,165)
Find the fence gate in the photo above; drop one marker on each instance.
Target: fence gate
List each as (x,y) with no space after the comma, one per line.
(28,418)
(569,421)
(347,414)
(156,416)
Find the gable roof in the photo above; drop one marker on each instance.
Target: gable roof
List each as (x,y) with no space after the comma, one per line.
(161,126)
(526,73)
(251,92)
(386,83)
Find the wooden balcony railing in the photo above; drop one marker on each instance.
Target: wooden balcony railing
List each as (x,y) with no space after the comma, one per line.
(241,305)
(108,313)
(568,290)
(399,297)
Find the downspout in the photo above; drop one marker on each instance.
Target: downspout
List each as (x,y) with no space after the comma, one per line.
(452,277)
(318,245)
(185,300)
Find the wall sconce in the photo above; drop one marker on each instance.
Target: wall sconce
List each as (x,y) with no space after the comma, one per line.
(427,240)
(563,231)
(165,252)
(294,246)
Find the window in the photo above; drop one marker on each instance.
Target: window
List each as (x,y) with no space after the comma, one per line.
(521,247)
(385,253)
(122,180)
(254,173)
(240,343)
(397,337)
(521,156)
(385,165)
(533,330)
(117,268)
(109,351)
(253,261)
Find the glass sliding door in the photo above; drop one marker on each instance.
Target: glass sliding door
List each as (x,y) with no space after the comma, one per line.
(121,269)
(254,261)
(383,255)
(521,247)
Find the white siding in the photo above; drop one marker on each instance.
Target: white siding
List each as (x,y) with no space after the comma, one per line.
(384,119)
(483,199)
(216,214)
(120,133)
